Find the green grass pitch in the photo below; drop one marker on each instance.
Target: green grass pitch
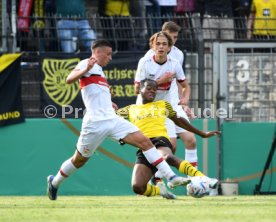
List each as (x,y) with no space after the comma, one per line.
(137,208)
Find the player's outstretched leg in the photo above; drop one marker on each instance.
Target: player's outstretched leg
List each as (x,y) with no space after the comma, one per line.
(51,190)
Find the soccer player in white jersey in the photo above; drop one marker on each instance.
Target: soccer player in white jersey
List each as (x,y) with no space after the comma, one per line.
(100,121)
(187,137)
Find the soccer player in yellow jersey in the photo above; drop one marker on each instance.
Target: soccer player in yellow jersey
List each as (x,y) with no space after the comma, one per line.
(150,118)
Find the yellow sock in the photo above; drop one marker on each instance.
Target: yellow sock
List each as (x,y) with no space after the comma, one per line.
(152,191)
(188,169)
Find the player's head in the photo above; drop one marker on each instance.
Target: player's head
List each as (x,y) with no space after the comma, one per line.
(161,42)
(148,88)
(102,51)
(172,29)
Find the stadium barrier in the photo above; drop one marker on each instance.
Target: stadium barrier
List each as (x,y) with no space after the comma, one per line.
(32,150)
(244,150)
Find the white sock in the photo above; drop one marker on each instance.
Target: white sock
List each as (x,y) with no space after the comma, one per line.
(155,159)
(191,156)
(158,175)
(66,169)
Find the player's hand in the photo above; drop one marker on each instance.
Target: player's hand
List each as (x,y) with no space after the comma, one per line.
(115,107)
(183,101)
(211,133)
(167,77)
(91,63)
(188,111)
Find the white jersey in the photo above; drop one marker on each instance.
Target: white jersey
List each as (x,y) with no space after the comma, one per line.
(148,68)
(177,54)
(95,93)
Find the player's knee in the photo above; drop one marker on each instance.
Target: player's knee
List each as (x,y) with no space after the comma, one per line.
(165,156)
(146,144)
(138,189)
(173,142)
(79,162)
(190,142)
(169,158)
(173,149)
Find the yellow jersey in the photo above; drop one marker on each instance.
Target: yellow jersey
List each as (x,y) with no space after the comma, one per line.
(265,17)
(117,8)
(150,117)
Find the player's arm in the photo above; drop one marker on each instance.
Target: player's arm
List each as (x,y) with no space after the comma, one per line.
(76,74)
(185,97)
(186,91)
(183,123)
(180,89)
(140,75)
(165,78)
(183,82)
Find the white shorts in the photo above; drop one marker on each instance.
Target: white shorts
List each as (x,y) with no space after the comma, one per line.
(173,129)
(94,133)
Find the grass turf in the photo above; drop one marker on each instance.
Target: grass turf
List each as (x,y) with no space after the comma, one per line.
(137,208)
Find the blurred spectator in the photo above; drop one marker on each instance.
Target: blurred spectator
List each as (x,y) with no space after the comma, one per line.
(50,32)
(24,13)
(38,14)
(117,24)
(35,28)
(167,7)
(185,6)
(152,8)
(138,12)
(73,26)
(262,20)
(241,9)
(23,22)
(218,23)
(39,24)
(153,14)
(200,7)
